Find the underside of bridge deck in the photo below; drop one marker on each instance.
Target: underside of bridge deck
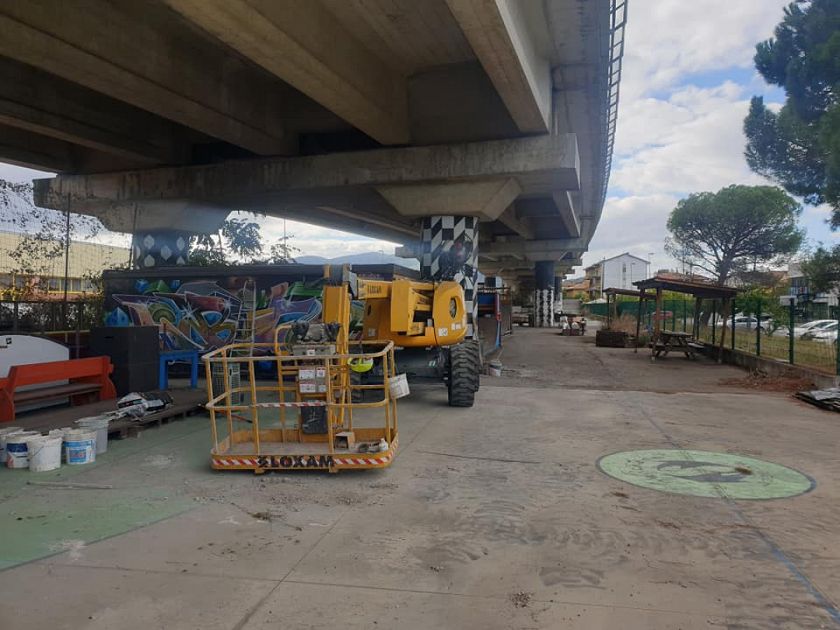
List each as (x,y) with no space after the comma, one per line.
(357,115)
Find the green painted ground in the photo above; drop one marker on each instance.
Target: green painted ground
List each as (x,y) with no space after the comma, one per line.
(147,474)
(705,474)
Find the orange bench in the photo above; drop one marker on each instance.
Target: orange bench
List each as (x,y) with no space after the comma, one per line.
(87,378)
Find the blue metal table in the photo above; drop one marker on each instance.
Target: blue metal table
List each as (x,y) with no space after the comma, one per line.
(171,356)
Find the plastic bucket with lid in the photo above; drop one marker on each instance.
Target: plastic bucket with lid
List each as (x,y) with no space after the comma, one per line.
(3,433)
(79,446)
(494,368)
(17,449)
(398,386)
(44,452)
(100,425)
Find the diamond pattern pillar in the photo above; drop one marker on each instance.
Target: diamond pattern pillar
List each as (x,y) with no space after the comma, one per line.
(160,248)
(450,252)
(544,294)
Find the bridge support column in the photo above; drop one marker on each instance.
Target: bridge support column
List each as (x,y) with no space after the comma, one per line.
(160,248)
(544,294)
(449,251)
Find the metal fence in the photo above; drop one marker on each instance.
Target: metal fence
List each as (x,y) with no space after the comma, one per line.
(65,322)
(777,336)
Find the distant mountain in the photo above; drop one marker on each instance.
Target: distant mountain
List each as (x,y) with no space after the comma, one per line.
(16,207)
(365,258)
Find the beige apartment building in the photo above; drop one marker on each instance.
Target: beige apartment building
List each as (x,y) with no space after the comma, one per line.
(44,276)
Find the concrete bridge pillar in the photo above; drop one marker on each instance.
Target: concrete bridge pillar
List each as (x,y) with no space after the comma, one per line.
(544,293)
(160,248)
(449,251)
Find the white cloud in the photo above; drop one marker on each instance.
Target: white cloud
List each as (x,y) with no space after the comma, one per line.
(313,240)
(669,39)
(688,77)
(698,144)
(637,225)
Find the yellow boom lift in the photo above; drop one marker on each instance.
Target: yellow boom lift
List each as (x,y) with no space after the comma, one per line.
(332,405)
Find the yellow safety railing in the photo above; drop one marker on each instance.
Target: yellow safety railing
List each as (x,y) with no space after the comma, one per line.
(243,401)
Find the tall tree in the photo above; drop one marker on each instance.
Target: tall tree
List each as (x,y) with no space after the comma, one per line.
(45,235)
(237,241)
(737,226)
(799,146)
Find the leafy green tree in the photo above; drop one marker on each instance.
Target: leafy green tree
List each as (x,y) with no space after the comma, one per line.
(282,251)
(44,233)
(738,225)
(799,146)
(822,269)
(237,241)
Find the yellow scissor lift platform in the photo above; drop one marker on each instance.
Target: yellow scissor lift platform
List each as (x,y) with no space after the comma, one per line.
(261,425)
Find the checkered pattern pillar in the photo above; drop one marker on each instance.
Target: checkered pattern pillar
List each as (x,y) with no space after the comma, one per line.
(160,248)
(450,252)
(544,294)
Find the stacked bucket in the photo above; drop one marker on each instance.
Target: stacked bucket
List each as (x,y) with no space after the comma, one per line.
(40,453)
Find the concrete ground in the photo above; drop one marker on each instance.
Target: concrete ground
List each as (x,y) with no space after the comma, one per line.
(491,517)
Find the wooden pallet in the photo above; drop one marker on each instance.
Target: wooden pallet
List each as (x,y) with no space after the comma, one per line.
(125,428)
(186,403)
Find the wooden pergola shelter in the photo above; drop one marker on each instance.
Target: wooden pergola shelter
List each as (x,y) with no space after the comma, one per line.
(698,290)
(614,293)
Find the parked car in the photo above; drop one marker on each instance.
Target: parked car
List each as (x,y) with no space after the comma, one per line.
(746,321)
(811,328)
(826,333)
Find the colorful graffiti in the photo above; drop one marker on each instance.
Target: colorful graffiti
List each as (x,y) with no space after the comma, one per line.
(202,315)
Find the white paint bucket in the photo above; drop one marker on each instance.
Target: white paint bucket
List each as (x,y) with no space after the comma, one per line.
(17,449)
(494,368)
(398,386)
(3,433)
(79,446)
(44,452)
(100,425)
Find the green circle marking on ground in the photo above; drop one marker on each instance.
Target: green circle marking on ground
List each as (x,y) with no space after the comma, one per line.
(706,474)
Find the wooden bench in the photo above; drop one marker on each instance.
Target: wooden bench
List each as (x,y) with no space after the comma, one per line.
(87,378)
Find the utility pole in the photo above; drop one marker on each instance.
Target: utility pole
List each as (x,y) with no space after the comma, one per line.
(66,255)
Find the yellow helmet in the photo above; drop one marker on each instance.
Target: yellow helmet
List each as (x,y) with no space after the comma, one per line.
(361,364)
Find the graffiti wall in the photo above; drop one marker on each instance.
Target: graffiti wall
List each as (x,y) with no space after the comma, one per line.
(205,313)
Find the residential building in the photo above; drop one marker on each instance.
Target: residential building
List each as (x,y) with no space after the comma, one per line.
(767,278)
(799,288)
(618,272)
(576,286)
(44,276)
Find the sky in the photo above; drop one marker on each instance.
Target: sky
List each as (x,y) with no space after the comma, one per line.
(688,77)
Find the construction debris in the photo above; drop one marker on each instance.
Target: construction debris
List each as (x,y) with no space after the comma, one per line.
(823,398)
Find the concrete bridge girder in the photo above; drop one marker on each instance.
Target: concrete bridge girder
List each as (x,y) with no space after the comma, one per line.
(481,177)
(484,199)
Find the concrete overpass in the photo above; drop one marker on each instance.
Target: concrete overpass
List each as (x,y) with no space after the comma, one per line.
(483,124)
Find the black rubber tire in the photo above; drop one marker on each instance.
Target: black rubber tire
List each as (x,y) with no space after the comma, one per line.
(474,346)
(463,375)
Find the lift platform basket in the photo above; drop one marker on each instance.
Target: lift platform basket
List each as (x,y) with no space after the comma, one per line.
(278,407)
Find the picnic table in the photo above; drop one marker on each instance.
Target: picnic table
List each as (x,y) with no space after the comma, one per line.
(673,340)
